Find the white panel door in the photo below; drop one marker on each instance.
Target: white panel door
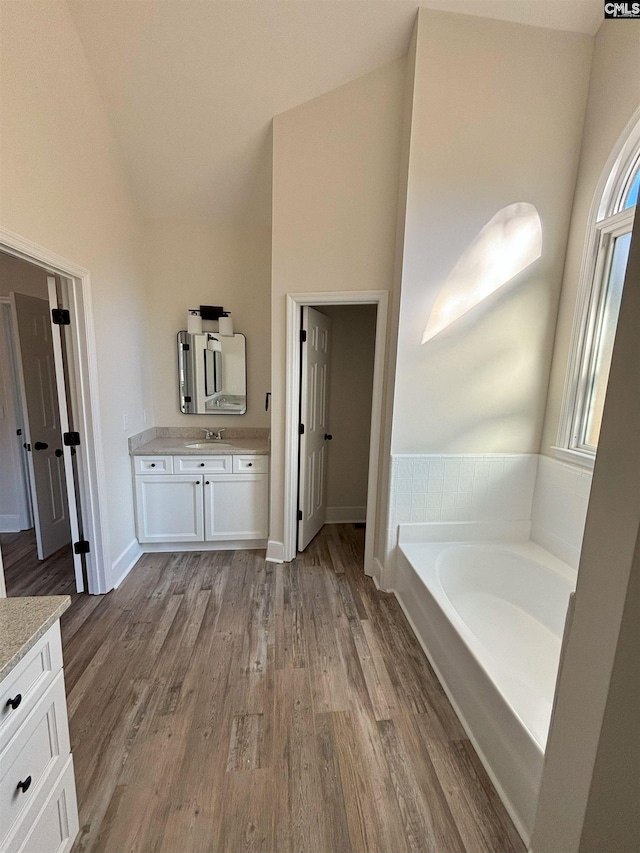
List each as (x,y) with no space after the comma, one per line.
(236,506)
(37,379)
(314,393)
(169,508)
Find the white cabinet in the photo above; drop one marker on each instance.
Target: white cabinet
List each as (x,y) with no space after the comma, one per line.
(224,500)
(38,809)
(169,507)
(235,506)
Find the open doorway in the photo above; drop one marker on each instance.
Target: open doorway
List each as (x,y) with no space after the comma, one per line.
(336,388)
(39,528)
(64,287)
(320,301)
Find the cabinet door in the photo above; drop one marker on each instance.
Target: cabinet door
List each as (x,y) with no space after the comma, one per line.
(169,508)
(236,506)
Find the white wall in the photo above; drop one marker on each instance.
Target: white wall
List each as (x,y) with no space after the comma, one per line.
(335,187)
(353,337)
(497,119)
(614,96)
(203,263)
(62,186)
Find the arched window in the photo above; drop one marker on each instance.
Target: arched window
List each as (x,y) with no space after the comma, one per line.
(602,279)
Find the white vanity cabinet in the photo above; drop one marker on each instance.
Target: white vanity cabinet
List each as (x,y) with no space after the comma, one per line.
(38,808)
(209,499)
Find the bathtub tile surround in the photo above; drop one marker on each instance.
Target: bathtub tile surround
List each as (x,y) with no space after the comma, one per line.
(553,495)
(472,487)
(559,508)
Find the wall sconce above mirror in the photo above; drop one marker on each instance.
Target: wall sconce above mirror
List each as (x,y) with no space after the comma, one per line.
(212,374)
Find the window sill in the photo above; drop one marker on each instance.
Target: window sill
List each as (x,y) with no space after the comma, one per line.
(577,457)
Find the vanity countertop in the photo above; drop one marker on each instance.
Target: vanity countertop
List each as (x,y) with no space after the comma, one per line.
(225,447)
(22,622)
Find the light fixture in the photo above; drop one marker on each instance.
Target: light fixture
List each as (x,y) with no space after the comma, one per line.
(217,312)
(194,322)
(225,324)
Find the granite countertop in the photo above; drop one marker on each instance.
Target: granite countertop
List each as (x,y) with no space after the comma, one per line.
(225,447)
(22,622)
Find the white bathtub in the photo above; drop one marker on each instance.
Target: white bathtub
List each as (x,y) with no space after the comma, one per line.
(490,615)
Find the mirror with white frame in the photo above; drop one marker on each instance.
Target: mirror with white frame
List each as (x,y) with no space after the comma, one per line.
(212,374)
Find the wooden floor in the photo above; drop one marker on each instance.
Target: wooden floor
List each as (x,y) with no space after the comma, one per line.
(221,703)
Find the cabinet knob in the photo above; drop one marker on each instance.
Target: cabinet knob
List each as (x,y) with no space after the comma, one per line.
(40,445)
(207,483)
(24,786)
(13,703)
(202,464)
(153,465)
(249,464)
(197,482)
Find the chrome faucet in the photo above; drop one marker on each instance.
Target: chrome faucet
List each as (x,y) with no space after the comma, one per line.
(208,434)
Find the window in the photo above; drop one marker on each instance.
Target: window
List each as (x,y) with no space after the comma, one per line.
(607,247)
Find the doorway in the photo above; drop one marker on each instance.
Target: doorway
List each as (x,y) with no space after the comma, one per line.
(67,289)
(37,467)
(336,386)
(319,300)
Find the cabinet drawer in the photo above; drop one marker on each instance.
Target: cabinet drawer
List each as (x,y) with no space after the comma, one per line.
(34,756)
(197,464)
(251,464)
(52,821)
(153,464)
(28,681)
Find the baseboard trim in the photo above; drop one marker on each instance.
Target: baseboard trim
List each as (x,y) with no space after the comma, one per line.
(226,545)
(275,552)
(345,515)
(10,524)
(125,562)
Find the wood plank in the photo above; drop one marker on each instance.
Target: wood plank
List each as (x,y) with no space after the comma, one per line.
(480,816)
(375,822)
(427,820)
(299,807)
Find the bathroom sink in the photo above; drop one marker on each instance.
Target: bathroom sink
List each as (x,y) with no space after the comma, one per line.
(206,445)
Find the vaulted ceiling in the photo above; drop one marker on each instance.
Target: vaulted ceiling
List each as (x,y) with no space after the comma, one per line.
(191,86)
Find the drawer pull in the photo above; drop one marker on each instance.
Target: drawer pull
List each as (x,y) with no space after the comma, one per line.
(153,465)
(13,703)
(202,464)
(24,786)
(249,464)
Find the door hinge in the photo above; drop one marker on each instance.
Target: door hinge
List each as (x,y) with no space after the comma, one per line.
(60,317)
(185,347)
(71,439)
(301,429)
(81,547)
(299,515)
(303,335)
(187,399)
